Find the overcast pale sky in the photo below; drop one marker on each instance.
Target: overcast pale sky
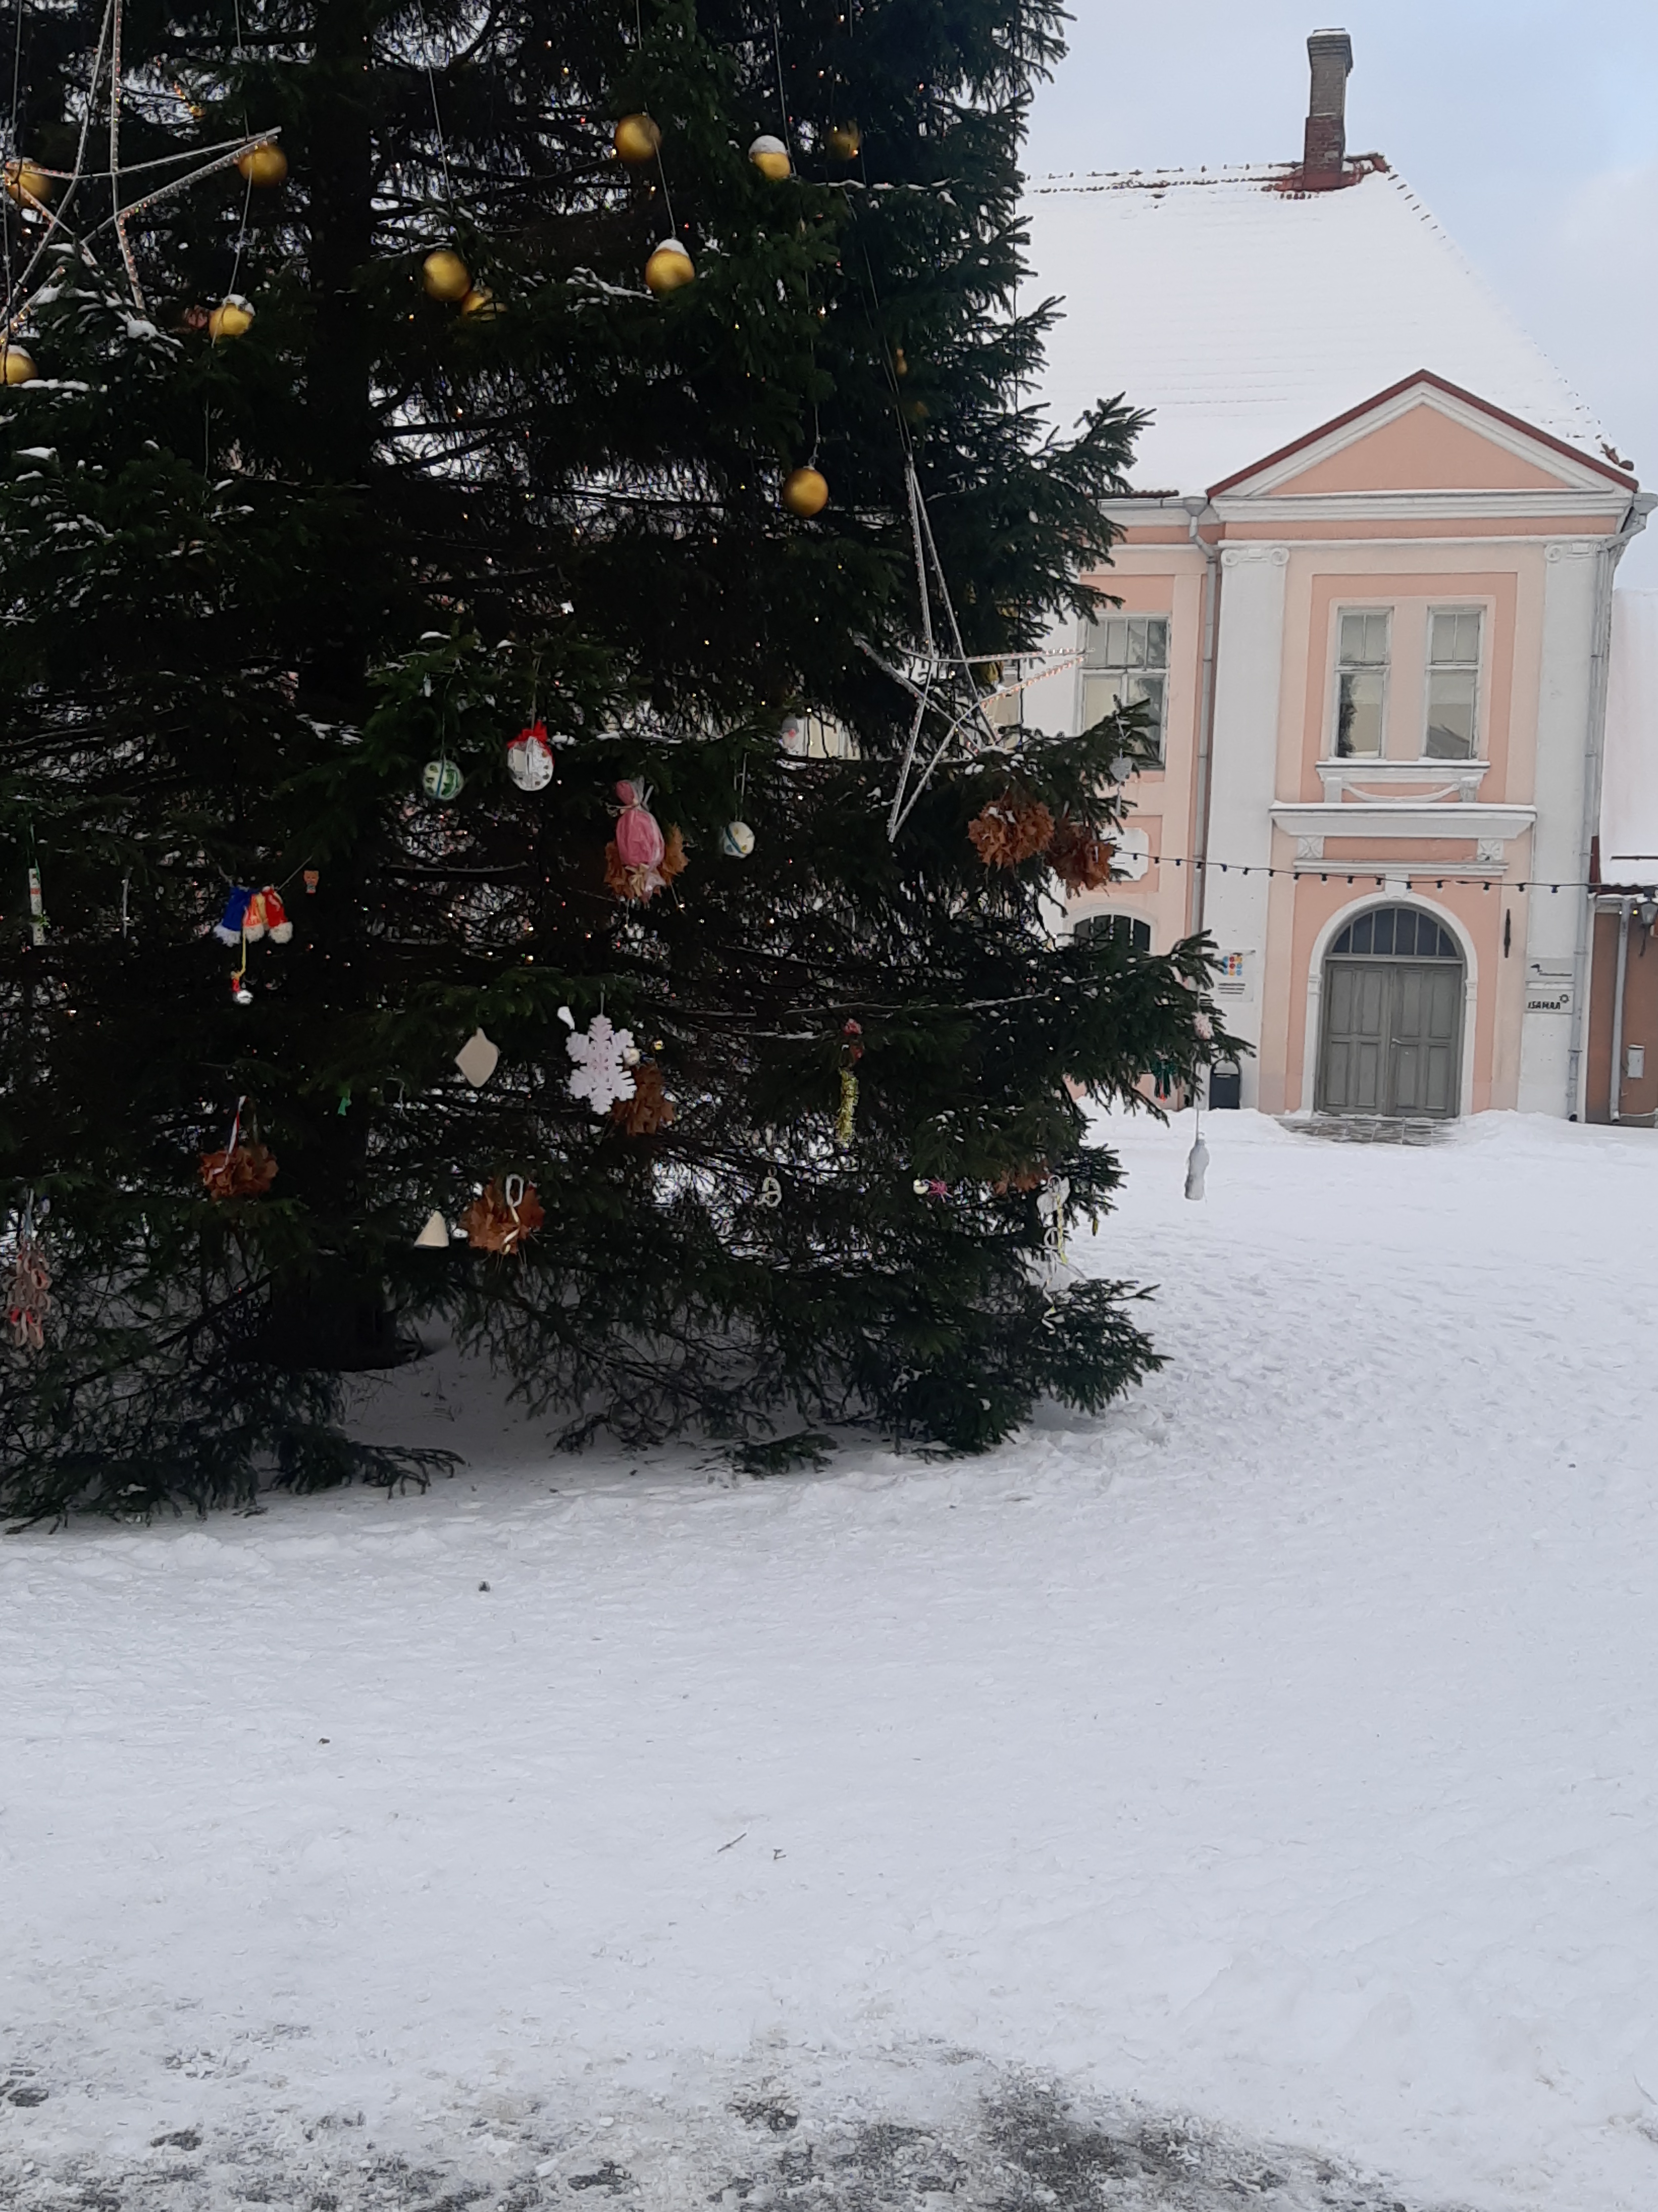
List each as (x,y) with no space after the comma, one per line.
(1530,128)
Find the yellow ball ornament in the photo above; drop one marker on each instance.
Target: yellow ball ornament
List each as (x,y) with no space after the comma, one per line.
(18,366)
(445,274)
(232,319)
(805,492)
(636,140)
(264,165)
(669,267)
(846,141)
(24,183)
(771,157)
(480,301)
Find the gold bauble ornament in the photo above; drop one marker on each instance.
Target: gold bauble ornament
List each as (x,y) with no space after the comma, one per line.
(771,157)
(263,165)
(846,141)
(480,301)
(232,319)
(16,365)
(669,267)
(24,183)
(900,366)
(805,492)
(445,274)
(636,140)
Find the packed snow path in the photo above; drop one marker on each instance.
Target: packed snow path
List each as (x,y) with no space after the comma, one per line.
(1272,1762)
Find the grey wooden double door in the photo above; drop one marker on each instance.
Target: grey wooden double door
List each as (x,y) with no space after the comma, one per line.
(1393,1018)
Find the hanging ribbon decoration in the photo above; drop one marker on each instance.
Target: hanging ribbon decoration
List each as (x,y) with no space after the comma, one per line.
(37,898)
(1050,1209)
(851,1053)
(28,1289)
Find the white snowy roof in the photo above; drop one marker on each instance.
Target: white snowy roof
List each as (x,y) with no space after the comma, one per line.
(1246,314)
(1629,788)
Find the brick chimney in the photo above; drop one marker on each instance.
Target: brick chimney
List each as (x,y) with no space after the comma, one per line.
(1330,53)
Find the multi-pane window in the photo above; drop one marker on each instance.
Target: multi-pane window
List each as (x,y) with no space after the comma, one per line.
(1126,663)
(818,739)
(1453,682)
(1128,929)
(1361,683)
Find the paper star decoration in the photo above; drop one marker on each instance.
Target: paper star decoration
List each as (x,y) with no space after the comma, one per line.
(602,1075)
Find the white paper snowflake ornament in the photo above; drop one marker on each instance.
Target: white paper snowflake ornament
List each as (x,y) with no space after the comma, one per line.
(602,1075)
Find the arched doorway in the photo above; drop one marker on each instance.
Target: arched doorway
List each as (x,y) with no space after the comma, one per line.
(1393,992)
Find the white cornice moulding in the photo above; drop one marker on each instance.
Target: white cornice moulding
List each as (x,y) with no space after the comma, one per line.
(1400,507)
(1403,817)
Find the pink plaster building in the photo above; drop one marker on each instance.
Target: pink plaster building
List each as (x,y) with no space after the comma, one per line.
(1366,580)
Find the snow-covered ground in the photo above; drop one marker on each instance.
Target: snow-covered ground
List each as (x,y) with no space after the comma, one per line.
(1273,1761)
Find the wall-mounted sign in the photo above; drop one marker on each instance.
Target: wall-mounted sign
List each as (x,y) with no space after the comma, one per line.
(1231,980)
(1548,986)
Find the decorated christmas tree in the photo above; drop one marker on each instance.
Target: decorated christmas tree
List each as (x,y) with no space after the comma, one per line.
(525,529)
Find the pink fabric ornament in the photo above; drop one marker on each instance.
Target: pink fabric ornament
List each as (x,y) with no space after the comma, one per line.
(638,838)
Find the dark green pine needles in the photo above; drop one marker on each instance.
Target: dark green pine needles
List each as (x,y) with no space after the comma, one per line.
(252,588)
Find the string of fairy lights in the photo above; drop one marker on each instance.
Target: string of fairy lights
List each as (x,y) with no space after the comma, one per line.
(1417,879)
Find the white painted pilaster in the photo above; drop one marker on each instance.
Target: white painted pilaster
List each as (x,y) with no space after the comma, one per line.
(1571,593)
(1249,681)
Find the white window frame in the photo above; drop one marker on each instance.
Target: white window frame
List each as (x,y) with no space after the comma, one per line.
(1090,625)
(1476,608)
(1339,668)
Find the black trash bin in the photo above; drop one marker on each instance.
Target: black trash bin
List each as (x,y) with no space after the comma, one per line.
(1225,1086)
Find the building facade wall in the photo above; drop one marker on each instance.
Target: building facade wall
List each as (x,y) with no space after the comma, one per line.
(1478,845)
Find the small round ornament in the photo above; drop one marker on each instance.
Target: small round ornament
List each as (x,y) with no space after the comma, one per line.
(24,183)
(771,157)
(480,301)
(846,141)
(530,759)
(805,491)
(669,267)
(441,779)
(737,841)
(636,140)
(264,165)
(445,274)
(232,319)
(17,366)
